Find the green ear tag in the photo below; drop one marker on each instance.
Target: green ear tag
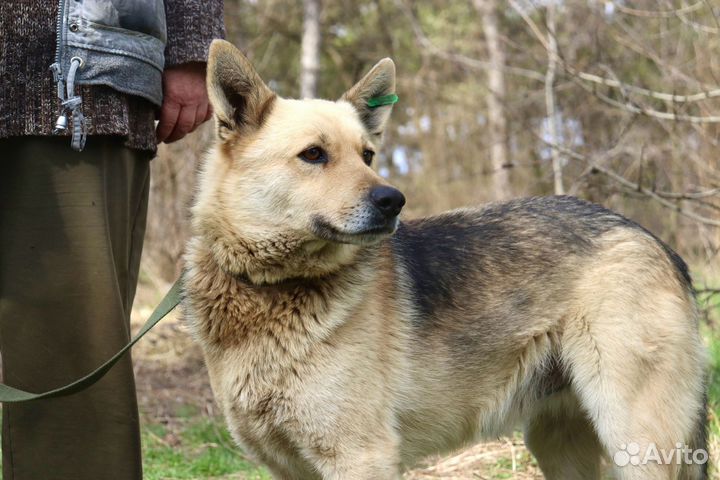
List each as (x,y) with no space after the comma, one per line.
(382,101)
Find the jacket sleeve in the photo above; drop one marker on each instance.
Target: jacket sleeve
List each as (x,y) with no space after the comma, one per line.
(191,27)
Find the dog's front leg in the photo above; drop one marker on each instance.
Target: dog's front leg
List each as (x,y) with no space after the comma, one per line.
(362,465)
(378,461)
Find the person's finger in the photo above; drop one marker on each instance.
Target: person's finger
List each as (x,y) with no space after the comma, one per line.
(184,124)
(209,113)
(200,115)
(168,118)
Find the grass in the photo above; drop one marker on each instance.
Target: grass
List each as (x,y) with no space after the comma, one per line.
(197,447)
(204,450)
(714,404)
(711,332)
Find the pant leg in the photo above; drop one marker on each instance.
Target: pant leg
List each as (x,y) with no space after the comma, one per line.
(71,229)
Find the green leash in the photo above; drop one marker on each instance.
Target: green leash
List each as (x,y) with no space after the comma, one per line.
(169,302)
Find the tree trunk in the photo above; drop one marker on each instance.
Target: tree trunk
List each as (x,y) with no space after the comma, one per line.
(310,49)
(552,114)
(497,121)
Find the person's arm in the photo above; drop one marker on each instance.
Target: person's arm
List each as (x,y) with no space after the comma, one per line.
(191,27)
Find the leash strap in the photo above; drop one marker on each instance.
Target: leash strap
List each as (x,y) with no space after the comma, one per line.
(169,302)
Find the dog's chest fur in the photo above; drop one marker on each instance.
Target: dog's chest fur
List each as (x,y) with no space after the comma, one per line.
(278,355)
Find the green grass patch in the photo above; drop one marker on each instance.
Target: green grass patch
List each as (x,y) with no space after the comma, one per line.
(712,337)
(203,449)
(714,385)
(714,404)
(713,341)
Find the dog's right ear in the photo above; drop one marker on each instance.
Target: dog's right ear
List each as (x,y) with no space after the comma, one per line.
(239,97)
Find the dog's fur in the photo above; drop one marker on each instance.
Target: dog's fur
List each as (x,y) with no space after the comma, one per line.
(339,351)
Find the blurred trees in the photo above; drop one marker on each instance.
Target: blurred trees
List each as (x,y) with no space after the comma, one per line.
(615,102)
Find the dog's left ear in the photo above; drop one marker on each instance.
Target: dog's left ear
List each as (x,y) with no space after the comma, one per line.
(378,82)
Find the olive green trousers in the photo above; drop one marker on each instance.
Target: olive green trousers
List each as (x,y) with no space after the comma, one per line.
(71,234)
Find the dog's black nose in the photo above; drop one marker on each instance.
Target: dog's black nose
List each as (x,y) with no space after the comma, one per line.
(388,200)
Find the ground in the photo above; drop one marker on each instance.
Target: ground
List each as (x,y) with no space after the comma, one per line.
(184,436)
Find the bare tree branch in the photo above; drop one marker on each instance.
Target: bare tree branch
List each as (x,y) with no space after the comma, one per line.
(657,13)
(670,97)
(699,27)
(691,195)
(634,186)
(546,43)
(457,58)
(649,112)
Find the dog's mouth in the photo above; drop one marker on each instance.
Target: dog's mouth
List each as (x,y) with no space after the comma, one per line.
(367,235)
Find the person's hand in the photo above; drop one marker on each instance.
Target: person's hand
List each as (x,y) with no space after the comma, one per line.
(185,102)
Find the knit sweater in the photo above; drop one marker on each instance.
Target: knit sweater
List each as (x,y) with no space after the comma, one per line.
(28,96)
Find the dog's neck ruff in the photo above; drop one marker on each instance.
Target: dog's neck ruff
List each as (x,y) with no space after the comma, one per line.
(275,261)
(244,279)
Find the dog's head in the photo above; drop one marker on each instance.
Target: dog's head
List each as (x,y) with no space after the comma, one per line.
(297,171)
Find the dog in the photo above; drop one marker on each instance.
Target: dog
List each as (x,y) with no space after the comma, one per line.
(342,343)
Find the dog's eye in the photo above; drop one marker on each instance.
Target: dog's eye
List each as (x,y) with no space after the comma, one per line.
(368,157)
(314,155)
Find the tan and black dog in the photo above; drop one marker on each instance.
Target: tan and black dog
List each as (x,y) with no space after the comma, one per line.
(343,344)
